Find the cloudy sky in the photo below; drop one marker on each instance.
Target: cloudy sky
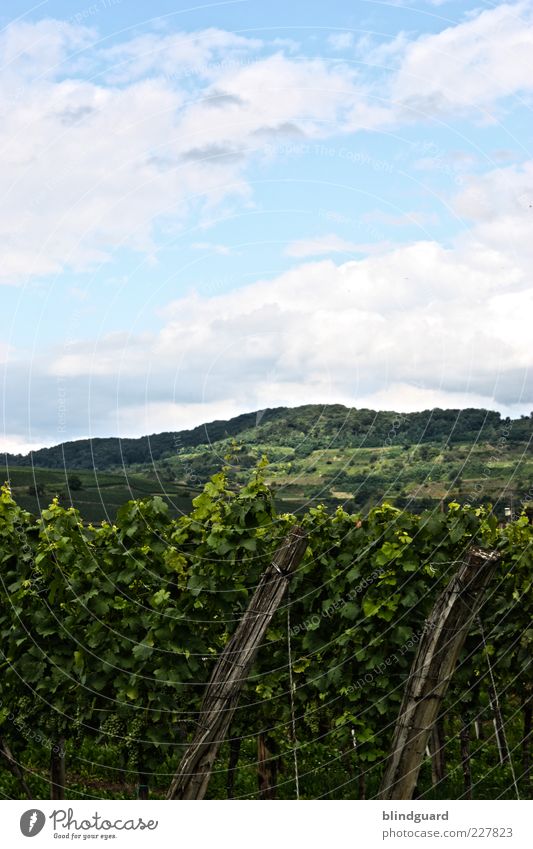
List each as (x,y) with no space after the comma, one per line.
(215,210)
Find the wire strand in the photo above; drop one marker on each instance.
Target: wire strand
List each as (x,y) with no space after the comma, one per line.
(497,703)
(291,691)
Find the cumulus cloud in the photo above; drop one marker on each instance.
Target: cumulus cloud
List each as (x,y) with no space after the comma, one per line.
(90,165)
(13,443)
(75,190)
(93,163)
(170,123)
(415,326)
(213,247)
(469,66)
(178,56)
(499,204)
(327,244)
(341,40)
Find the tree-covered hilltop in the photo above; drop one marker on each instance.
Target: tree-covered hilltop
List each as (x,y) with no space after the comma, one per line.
(328,455)
(307,428)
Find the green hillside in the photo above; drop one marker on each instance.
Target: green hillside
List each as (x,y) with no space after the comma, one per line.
(317,454)
(306,428)
(100,494)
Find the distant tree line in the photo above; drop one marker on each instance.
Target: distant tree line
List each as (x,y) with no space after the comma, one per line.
(307,428)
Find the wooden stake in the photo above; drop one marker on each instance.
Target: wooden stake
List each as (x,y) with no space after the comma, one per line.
(499,730)
(231,670)
(57,769)
(526,741)
(437,743)
(432,669)
(143,790)
(13,766)
(464,736)
(234,752)
(267,767)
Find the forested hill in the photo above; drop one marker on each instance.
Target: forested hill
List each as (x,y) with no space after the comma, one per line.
(307,428)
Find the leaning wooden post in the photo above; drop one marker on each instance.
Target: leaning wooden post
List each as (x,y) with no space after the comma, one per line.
(13,766)
(57,769)
(432,669)
(499,728)
(231,670)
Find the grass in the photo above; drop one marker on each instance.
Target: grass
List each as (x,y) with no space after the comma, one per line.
(100,495)
(421,476)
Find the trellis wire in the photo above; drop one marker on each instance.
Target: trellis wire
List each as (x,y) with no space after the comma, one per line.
(291,690)
(497,701)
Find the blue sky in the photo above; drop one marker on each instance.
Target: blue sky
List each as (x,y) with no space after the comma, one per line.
(218,209)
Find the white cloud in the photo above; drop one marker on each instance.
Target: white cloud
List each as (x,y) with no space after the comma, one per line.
(408,398)
(5,350)
(457,318)
(11,443)
(276,93)
(385,54)
(467,68)
(212,247)
(171,124)
(470,66)
(500,205)
(422,316)
(341,40)
(34,52)
(89,167)
(178,56)
(156,417)
(413,327)
(405,219)
(327,244)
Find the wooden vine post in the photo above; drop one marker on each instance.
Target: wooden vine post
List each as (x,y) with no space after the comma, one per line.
(437,743)
(57,769)
(13,766)
(231,670)
(432,669)
(499,730)
(267,768)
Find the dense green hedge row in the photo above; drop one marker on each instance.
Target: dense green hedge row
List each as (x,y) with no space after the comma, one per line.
(109,633)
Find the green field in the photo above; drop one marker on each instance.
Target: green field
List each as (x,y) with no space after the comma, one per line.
(359,478)
(330,455)
(101,493)
(407,476)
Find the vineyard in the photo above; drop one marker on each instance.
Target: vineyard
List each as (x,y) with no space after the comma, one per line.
(330,455)
(111,633)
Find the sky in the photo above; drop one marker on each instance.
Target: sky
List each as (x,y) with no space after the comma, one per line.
(214,209)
